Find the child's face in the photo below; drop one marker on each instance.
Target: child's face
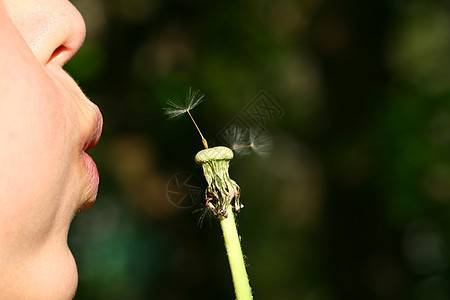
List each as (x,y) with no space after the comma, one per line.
(46,125)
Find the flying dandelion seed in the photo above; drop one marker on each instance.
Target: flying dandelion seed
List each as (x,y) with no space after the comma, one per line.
(176,108)
(237,139)
(261,143)
(241,141)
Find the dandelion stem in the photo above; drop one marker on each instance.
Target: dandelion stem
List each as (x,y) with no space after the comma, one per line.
(205,143)
(235,256)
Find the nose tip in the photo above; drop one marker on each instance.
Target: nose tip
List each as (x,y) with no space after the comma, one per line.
(68,36)
(53,29)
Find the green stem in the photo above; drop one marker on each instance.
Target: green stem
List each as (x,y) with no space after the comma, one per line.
(235,257)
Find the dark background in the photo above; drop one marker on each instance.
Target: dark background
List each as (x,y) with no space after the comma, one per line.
(354,201)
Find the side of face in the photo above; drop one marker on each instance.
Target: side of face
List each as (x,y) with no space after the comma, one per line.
(47,124)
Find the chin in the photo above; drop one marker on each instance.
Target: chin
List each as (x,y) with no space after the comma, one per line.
(50,275)
(67,285)
(61,276)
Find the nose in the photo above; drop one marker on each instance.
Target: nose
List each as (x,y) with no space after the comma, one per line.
(66,42)
(53,29)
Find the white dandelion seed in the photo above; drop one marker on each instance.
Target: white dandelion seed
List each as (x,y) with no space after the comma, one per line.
(176,109)
(261,143)
(237,139)
(241,141)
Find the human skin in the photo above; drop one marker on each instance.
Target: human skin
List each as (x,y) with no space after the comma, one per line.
(46,126)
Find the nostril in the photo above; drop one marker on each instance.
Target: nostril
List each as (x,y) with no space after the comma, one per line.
(61,55)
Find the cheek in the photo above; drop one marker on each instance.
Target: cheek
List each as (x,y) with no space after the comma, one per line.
(35,147)
(37,157)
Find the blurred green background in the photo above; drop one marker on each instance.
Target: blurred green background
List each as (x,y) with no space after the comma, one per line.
(354,201)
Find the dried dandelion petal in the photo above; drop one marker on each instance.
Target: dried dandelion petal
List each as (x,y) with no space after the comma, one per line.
(222,191)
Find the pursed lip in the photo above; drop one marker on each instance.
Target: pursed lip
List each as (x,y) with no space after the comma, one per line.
(89,163)
(93,181)
(95,133)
